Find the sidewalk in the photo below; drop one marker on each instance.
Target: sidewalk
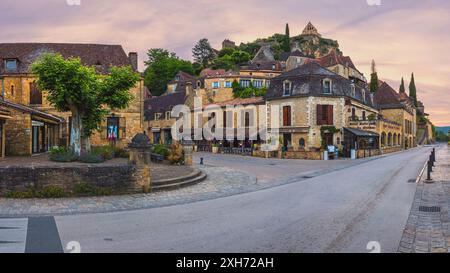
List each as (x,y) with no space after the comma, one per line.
(428,226)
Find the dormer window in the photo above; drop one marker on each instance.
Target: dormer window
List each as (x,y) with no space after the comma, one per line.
(287,87)
(327,86)
(274,67)
(363,94)
(11,65)
(177,77)
(352,87)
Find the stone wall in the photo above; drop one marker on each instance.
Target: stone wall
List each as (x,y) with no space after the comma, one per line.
(17,89)
(309,155)
(18,136)
(120,178)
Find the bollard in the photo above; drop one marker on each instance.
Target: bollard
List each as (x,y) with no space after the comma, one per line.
(430,159)
(434,155)
(429,170)
(201,160)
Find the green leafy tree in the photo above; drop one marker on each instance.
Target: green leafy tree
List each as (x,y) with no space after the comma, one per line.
(203,52)
(226,51)
(412,90)
(162,66)
(240,57)
(287,40)
(225,62)
(402,86)
(73,87)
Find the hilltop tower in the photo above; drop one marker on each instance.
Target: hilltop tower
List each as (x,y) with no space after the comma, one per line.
(310,30)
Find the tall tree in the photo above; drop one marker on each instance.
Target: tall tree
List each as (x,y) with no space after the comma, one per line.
(287,40)
(412,90)
(203,52)
(402,86)
(162,66)
(73,87)
(373,78)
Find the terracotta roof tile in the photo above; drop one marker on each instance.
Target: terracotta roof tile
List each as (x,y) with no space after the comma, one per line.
(100,56)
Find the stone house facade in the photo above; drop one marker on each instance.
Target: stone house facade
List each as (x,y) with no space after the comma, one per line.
(398,107)
(5,114)
(36,125)
(315,106)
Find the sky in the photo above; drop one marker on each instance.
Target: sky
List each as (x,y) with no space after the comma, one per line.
(402,36)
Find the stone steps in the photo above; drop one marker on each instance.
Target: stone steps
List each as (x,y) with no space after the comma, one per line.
(196,176)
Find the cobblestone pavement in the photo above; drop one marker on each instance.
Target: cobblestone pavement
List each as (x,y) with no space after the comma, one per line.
(270,169)
(222,181)
(428,226)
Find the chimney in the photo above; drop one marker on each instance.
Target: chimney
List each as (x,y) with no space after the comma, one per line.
(133,57)
(189,89)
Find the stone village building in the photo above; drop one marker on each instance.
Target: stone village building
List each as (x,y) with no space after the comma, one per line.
(322,101)
(33,125)
(399,108)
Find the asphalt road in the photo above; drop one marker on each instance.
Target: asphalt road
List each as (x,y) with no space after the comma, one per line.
(340,211)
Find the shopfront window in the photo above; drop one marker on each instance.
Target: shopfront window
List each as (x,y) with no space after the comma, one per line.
(113,128)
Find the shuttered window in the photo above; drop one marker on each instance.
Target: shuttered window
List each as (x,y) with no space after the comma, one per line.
(122,128)
(35,94)
(325,115)
(287,116)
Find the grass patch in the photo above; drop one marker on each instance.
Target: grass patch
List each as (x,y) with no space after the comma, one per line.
(85,189)
(46,192)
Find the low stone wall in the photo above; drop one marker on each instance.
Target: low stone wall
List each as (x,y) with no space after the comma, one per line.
(119,178)
(388,150)
(309,155)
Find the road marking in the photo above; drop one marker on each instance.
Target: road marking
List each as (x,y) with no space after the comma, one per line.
(43,236)
(13,235)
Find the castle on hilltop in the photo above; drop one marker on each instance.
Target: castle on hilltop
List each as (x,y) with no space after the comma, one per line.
(310,30)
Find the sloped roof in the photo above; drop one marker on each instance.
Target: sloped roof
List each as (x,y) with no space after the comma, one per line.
(26,109)
(100,56)
(239,101)
(284,56)
(333,58)
(264,54)
(307,80)
(387,97)
(163,103)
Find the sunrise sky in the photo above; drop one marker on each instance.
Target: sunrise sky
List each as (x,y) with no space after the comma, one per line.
(403,36)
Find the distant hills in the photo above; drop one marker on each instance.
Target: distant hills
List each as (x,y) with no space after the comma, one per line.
(444,129)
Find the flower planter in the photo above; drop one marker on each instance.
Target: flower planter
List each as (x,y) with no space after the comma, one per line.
(215,150)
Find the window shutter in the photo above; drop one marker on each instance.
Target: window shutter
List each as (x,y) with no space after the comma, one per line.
(330,120)
(122,128)
(319,114)
(103,129)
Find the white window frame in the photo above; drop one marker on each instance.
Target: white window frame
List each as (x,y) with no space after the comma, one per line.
(330,85)
(216,85)
(284,88)
(6,65)
(158,116)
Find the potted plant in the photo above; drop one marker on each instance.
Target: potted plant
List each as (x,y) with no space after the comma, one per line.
(215,148)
